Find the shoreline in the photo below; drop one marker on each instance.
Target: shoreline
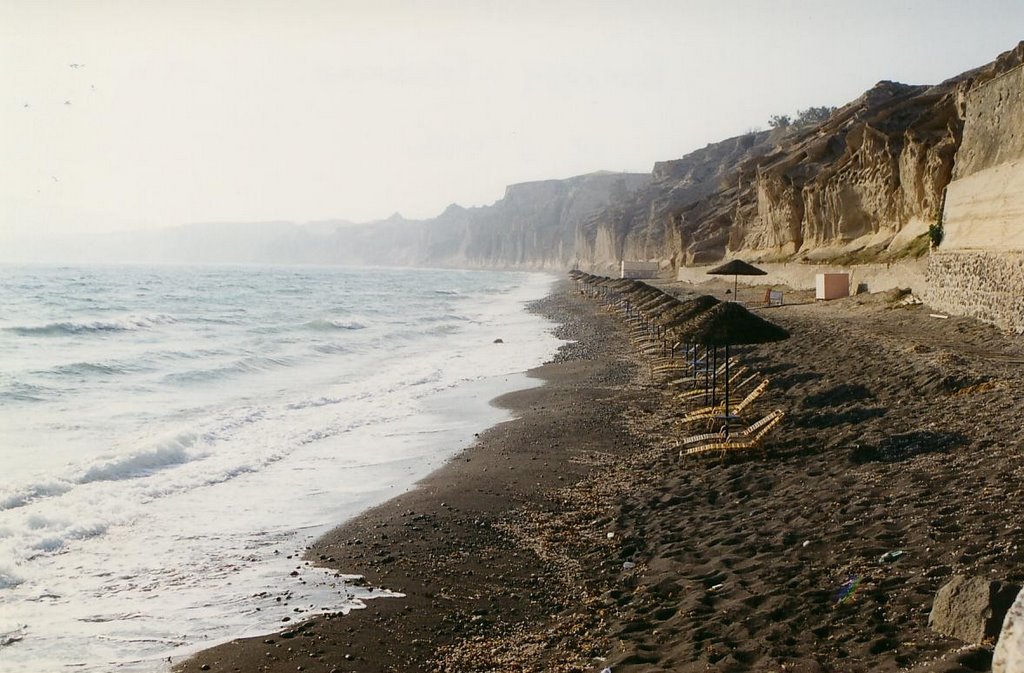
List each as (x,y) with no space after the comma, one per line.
(445,544)
(574,537)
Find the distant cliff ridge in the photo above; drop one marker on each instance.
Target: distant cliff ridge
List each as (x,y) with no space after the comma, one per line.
(863,185)
(532,227)
(646,224)
(867,182)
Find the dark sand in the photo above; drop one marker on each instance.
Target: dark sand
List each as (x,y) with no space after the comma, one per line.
(903,432)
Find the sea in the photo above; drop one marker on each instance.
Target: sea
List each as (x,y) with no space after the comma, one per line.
(173,437)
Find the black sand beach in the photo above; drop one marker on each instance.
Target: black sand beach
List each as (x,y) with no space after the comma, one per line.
(574,538)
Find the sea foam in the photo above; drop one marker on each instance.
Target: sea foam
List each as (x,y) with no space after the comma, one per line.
(127,323)
(156,482)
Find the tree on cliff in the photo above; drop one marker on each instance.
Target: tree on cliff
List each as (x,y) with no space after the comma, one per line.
(813,115)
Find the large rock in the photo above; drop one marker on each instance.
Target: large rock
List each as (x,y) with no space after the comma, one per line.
(972,609)
(1009,654)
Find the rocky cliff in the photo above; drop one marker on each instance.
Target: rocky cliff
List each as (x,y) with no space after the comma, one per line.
(533,226)
(978,268)
(867,182)
(985,200)
(645,225)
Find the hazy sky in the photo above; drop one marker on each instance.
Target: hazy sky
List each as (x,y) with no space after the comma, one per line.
(306,109)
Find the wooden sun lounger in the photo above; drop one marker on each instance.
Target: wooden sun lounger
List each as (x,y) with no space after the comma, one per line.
(735,372)
(653,347)
(681,362)
(686,377)
(748,439)
(705,413)
(735,385)
(743,433)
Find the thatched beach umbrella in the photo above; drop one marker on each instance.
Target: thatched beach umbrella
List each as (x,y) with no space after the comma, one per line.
(681,316)
(736,268)
(654,309)
(630,292)
(655,304)
(640,297)
(577,276)
(689,309)
(729,324)
(686,312)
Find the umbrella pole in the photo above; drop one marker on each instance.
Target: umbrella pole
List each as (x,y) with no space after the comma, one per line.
(735,288)
(727,391)
(714,376)
(708,358)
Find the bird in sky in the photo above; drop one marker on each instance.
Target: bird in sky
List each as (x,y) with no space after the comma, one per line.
(67,102)
(76,66)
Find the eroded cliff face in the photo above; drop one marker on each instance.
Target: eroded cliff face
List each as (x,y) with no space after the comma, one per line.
(870,176)
(864,185)
(645,224)
(532,227)
(873,171)
(868,181)
(978,268)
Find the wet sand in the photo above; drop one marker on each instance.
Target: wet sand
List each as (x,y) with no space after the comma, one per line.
(575,538)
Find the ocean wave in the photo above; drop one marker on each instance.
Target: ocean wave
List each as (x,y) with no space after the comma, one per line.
(24,392)
(250,365)
(198,353)
(318,402)
(48,544)
(219,320)
(126,324)
(28,494)
(445,317)
(92,369)
(8,578)
(494,290)
(143,463)
(331,349)
(14,635)
(115,617)
(432,377)
(326,324)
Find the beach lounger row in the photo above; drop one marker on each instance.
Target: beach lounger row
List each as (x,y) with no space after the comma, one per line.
(653,321)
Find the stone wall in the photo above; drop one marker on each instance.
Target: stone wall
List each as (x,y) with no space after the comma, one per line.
(978,270)
(982,284)
(877,277)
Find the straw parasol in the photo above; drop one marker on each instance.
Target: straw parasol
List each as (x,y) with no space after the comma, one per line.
(679,316)
(633,292)
(729,324)
(690,309)
(736,268)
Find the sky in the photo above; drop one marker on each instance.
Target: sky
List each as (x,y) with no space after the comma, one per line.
(136,114)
